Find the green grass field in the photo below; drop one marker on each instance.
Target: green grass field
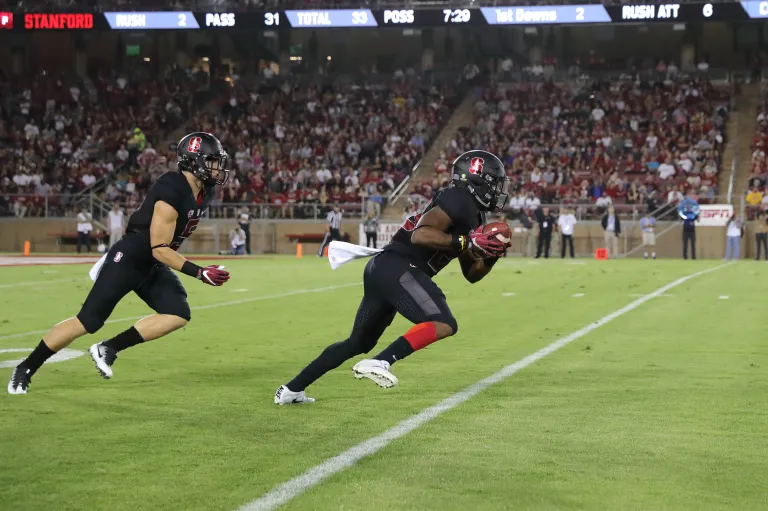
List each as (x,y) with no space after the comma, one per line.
(663,408)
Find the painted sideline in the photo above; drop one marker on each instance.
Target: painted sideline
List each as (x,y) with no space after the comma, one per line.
(291,489)
(209,306)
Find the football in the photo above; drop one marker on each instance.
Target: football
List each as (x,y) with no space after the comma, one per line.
(502,230)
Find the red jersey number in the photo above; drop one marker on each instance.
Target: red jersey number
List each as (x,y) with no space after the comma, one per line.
(412,221)
(188,230)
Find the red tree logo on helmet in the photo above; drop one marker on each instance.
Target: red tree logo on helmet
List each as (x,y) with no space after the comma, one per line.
(194,145)
(476,165)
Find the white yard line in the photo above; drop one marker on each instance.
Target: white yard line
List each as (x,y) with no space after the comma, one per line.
(210,306)
(43,282)
(291,489)
(61,356)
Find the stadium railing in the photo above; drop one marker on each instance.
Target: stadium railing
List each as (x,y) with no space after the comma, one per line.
(68,205)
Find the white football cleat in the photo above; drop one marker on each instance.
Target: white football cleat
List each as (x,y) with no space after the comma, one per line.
(285,396)
(103,356)
(19,381)
(376,370)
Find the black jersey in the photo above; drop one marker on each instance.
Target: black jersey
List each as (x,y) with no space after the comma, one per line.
(172,188)
(465,216)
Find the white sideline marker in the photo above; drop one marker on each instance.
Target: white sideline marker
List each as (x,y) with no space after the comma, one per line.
(578,295)
(291,489)
(210,306)
(507,294)
(722,297)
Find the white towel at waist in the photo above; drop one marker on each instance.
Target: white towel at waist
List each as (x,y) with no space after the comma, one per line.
(96,268)
(340,253)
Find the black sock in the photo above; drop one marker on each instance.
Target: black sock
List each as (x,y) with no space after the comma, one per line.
(37,358)
(125,340)
(331,358)
(398,350)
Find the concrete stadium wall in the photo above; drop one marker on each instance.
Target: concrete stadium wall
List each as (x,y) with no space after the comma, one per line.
(589,236)
(269,236)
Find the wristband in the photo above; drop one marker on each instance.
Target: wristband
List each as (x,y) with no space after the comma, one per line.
(458,243)
(191,269)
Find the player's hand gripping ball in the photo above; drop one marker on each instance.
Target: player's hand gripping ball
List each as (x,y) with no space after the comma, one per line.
(213,275)
(490,240)
(501,231)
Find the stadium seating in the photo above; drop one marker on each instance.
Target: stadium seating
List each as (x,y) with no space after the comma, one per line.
(294,146)
(301,146)
(599,142)
(58,136)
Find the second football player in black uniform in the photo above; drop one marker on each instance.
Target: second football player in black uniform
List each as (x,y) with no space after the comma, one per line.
(399,279)
(142,261)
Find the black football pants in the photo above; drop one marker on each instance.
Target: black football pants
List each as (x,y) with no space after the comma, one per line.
(392,284)
(124,270)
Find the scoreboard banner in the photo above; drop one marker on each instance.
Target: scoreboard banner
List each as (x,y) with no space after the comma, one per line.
(403,18)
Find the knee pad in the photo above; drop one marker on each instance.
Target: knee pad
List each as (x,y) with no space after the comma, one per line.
(185,314)
(91,321)
(179,309)
(451,322)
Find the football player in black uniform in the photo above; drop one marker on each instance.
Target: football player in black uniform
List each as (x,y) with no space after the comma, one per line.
(142,261)
(399,279)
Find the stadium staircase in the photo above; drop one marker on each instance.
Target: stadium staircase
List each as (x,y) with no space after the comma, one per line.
(89,197)
(737,156)
(460,117)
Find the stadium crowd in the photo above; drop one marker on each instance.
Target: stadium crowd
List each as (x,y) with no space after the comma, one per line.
(599,143)
(756,196)
(311,145)
(290,144)
(60,135)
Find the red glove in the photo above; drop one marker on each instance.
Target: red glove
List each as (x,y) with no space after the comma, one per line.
(213,275)
(485,245)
